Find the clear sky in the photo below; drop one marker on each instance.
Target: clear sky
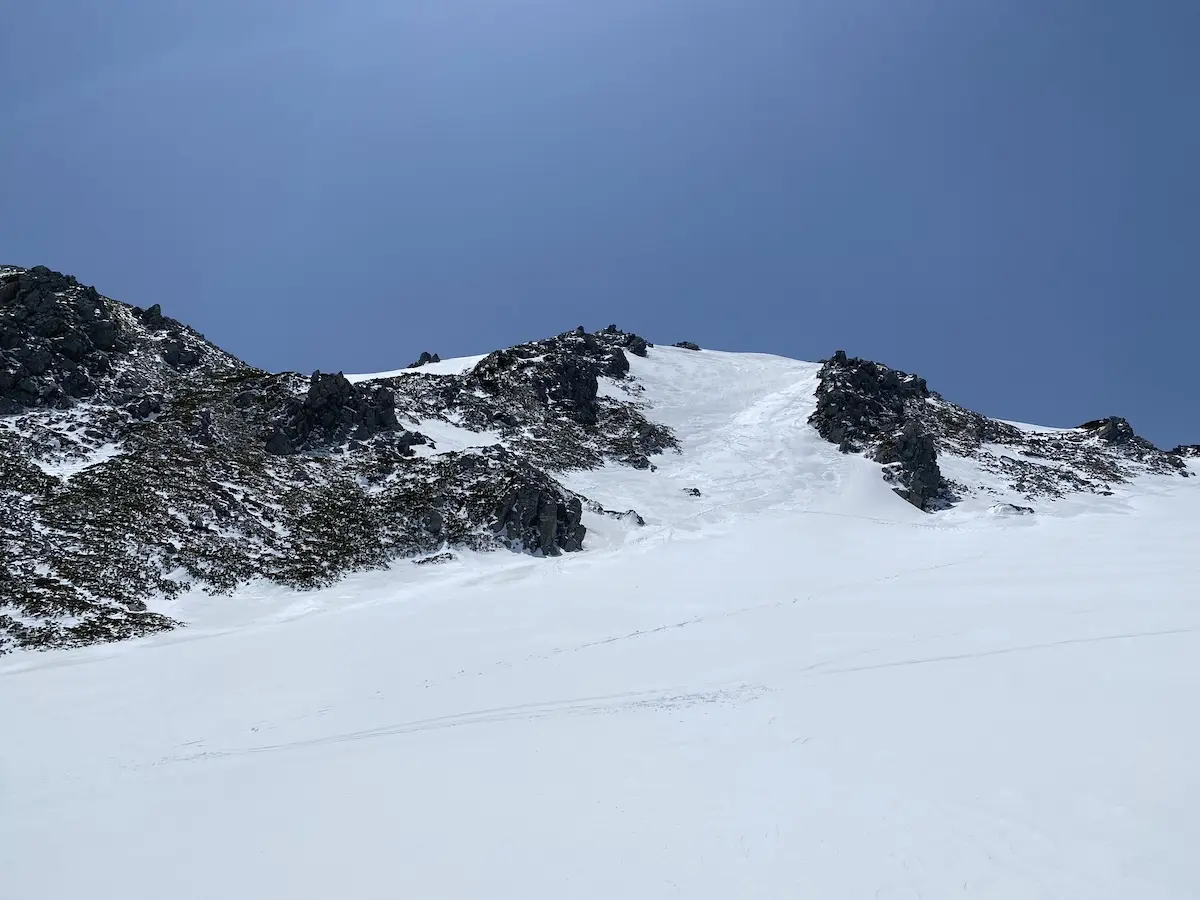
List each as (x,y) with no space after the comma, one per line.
(1003,195)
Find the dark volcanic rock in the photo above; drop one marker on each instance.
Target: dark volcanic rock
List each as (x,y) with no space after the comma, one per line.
(687,345)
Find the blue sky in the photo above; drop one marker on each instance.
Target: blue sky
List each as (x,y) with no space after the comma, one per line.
(1003,195)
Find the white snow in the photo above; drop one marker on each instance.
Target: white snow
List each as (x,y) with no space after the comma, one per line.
(458,366)
(67,466)
(794,685)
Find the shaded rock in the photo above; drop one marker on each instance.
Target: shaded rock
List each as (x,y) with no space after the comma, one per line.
(1111,430)
(687,345)
(425,359)
(617,365)
(153,318)
(333,411)
(865,406)
(179,355)
(633,343)
(912,454)
(541,521)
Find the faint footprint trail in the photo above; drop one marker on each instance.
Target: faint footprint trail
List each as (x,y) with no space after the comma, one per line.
(1001,651)
(607,704)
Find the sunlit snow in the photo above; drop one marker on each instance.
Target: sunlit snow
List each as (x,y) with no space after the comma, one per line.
(792,685)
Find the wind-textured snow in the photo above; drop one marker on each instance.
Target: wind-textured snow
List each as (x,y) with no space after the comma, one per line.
(792,685)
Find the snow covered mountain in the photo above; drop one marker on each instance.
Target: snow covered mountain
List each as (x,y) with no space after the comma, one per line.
(140,462)
(830,635)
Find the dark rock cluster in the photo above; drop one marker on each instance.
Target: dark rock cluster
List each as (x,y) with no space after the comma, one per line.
(687,345)
(615,337)
(895,419)
(334,411)
(425,359)
(1111,430)
(531,517)
(865,406)
(61,342)
(543,399)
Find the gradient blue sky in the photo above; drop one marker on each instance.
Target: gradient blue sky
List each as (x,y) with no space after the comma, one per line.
(1003,195)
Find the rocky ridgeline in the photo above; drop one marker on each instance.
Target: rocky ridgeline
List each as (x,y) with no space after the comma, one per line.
(138,461)
(542,400)
(894,418)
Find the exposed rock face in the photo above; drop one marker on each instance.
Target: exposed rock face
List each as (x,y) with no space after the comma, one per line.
(177,467)
(615,337)
(894,418)
(333,411)
(425,359)
(687,345)
(532,517)
(543,399)
(1112,430)
(910,461)
(60,342)
(864,406)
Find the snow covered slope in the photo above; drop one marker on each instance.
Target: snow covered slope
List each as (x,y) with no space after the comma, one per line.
(788,683)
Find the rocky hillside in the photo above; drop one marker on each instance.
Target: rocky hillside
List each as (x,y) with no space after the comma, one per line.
(894,418)
(139,461)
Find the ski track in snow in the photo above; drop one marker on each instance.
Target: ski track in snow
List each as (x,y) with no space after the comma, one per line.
(654,717)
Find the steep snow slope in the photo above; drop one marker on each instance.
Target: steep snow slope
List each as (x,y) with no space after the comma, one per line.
(807,688)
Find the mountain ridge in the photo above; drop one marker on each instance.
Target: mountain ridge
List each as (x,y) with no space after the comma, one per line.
(140,461)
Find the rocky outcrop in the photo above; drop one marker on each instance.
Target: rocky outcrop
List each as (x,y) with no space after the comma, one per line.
(183,469)
(544,399)
(614,336)
(687,345)
(541,522)
(61,342)
(863,406)
(909,458)
(894,418)
(1111,430)
(425,359)
(334,411)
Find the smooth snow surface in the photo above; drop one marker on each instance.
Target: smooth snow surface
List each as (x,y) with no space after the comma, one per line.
(794,685)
